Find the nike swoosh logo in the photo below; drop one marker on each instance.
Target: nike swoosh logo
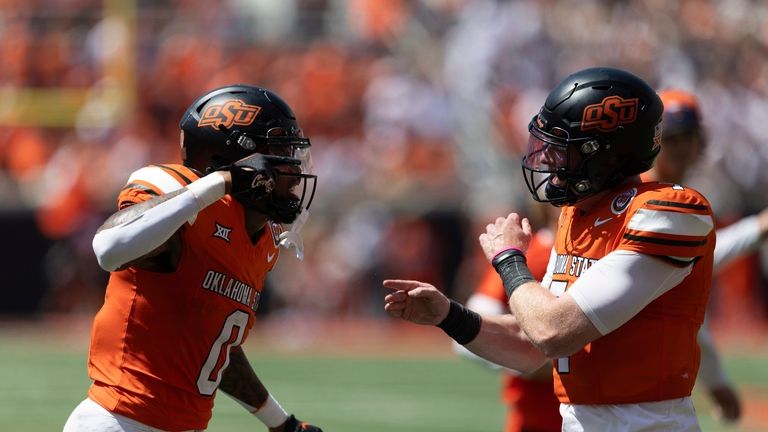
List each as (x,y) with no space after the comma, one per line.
(599,221)
(270,257)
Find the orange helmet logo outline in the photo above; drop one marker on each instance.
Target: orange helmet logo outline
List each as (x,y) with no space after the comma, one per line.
(609,114)
(228,114)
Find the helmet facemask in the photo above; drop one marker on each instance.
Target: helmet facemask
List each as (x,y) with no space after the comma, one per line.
(597,127)
(553,167)
(232,122)
(293,193)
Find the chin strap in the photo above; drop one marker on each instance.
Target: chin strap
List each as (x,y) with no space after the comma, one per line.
(292,237)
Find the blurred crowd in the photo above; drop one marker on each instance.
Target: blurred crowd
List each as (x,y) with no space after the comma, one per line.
(417,111)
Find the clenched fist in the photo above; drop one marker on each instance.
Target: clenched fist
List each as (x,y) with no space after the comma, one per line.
(253,177)
(504,233)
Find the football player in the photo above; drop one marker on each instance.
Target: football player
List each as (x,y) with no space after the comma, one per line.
(188,251)
(628,279)
(529,397)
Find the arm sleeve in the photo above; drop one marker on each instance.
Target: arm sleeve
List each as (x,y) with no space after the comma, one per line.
(736,240)
(621,284)
(672,223)
(146,231)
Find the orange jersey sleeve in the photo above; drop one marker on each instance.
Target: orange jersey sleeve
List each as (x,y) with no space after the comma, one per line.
(654,356)
(161,341)
(671,221)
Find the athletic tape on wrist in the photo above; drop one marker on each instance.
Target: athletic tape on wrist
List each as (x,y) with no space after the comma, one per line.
(511,265)
(461,324)
(271,413)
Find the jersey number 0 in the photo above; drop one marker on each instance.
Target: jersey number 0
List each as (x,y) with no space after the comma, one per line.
(218,358)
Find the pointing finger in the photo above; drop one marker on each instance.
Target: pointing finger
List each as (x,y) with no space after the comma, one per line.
(404,285)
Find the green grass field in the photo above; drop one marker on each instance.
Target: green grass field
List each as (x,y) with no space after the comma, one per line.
(41,386)
(42,380)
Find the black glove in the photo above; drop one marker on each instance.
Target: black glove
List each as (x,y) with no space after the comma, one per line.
(295,425)
(253,177)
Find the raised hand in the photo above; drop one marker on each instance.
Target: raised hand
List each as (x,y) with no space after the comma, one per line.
(509,232)
(415,301)
(253,177)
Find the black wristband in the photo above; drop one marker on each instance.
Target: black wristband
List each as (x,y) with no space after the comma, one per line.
(461,324)
(511,266)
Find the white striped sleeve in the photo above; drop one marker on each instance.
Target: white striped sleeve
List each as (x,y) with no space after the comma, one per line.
(679,230)
(160,179)
(157,177)
(670,222)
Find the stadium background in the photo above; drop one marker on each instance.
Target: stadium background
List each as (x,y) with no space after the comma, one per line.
(417,111)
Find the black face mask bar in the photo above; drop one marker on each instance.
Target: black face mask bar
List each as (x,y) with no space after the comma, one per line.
(549,167)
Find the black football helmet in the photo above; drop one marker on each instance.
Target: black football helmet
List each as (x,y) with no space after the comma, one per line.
(596,128)
(232,122)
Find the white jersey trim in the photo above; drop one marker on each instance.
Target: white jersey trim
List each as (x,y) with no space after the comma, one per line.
(157,177)
(667,222)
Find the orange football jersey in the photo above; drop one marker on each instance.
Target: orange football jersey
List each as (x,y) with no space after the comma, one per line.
(160,342)
(654,356)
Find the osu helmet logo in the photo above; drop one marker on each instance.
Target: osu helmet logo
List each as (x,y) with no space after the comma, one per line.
(229,113)
(609,114)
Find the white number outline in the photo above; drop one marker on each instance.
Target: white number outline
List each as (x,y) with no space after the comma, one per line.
(557,287)
(205,385)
